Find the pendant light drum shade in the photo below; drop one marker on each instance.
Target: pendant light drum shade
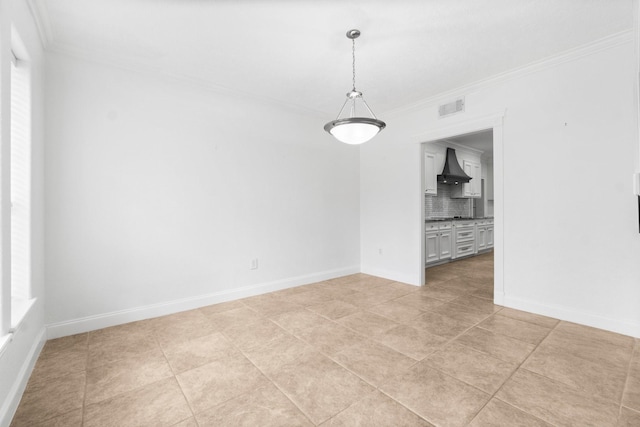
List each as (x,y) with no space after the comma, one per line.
(353,129)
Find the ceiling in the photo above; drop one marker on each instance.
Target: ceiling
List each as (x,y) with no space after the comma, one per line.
(482,141)
(296,52)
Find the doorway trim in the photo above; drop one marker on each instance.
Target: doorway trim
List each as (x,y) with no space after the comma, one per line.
(463,126)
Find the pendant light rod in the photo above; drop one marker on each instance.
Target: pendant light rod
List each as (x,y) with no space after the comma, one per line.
(353,35)
(353,129)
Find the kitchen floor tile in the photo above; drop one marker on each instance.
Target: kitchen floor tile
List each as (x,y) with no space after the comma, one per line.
(189,422)
(373,362)
(536,319)
(436,354)
(70,419)
(121,332)
(246,336)
(330,338)
(376,409)
(334,309)
(396,311)
(216,382)
(367,323)
(198,351)
(275,306)
(440,324)
(266,406)
(75,342)
(435,396)
(319,387)
(274,354)
(631,398)
(497,345)
(308,298)
(53,364)
(367,283)
(440,293)
(628,418)
(410,341)
(597,379)
(590,347)
(419,300)
(463,313)
(475,368)
(43,400)
(120,349)
(556,403)
(297,321)
(222,320)
(104,381)
(476,303)
(156,404)
(182,326)
(498,413)
(523,331)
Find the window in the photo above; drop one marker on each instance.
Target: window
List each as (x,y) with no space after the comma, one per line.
(20,189)
(16,298)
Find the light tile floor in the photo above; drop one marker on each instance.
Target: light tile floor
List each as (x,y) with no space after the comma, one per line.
(357,350)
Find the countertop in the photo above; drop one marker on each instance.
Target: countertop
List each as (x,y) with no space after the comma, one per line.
(454,219)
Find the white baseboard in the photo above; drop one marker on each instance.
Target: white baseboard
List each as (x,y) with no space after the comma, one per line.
(571,315)
(10,405)
(91,323)
(391,275)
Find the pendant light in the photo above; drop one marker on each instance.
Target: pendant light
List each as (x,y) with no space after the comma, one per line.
(353,129)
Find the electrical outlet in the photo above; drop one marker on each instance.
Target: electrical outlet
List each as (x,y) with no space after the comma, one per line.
(253,265)
(379,251)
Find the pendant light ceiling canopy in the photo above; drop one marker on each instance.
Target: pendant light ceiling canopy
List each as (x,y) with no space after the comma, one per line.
(353,129)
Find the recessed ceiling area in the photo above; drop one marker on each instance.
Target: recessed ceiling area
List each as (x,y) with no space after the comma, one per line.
(297,53)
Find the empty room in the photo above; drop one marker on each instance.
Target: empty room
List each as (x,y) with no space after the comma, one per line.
(335,213)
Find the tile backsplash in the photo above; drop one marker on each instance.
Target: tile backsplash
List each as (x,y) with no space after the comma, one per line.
(443,205)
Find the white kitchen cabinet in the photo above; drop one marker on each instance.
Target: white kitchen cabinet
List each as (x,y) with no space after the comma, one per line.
(432,246)
(472,189)
(481,238)
(445,244)
(489,236)
(430,174)
(437,242)
(484,234)
(464,233)
(488,184)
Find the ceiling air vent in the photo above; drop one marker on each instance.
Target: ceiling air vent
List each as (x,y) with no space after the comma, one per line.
(451,108)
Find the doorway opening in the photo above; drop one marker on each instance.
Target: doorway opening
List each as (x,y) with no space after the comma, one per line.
(459,216)
(466,127)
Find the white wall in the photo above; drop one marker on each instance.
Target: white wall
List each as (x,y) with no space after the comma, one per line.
(160,193)
(20,354)
(570,220)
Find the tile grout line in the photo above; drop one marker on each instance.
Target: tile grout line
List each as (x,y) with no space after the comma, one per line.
(516,370)
(175,376)
(267,377)
(626,381)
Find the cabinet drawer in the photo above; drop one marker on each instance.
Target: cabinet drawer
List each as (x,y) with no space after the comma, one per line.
(431,226)
(464,249)
(469,223)
(444,226)
(466,234)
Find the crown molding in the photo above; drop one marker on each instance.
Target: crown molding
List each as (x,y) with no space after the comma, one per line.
(570,55)
(40,14)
